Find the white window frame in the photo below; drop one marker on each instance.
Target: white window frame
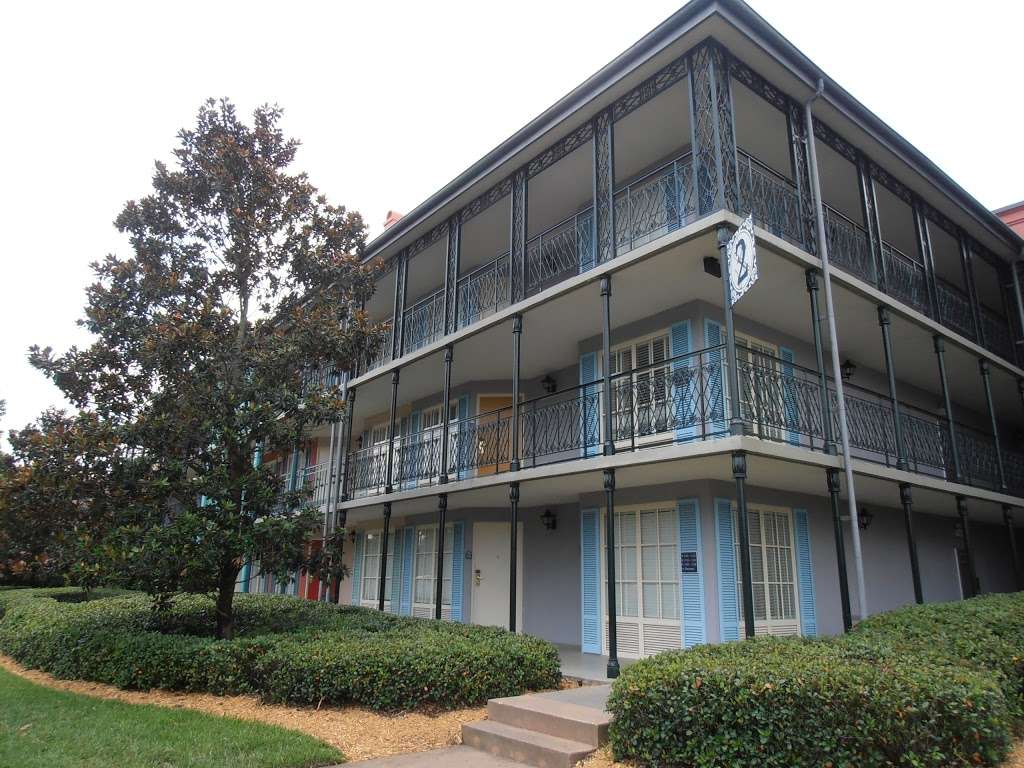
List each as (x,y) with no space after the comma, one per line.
(659,436)
(640,635)
(370,567)
(426,609)
(770,625)
(748,342)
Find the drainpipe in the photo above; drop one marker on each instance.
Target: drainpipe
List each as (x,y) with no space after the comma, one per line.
(844,430)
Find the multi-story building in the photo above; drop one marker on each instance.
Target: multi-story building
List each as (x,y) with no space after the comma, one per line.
(1013,215)
(564,390)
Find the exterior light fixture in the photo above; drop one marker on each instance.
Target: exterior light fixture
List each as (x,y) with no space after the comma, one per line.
(713,266)
(549,384)
(864,519)
(549,520)
(847,369)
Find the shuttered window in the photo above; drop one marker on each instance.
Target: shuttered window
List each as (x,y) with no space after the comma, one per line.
(425,565)
(372,546)
(772,571)
(641,398)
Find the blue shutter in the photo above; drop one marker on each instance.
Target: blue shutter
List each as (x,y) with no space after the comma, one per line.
(805,574)
(293,586)
(357,570)
(462,439)
(714,396)
(789,401)
(458,554)
(684,385)
(590,406)
(590,566)
(691,587)
(397,570)
(411,446)
(728,597)
(408,549)
(246,569)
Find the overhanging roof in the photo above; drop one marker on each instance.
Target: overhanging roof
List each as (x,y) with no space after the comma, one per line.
(744,18)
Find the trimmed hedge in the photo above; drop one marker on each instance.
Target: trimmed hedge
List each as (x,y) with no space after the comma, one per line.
(924,686)
(288,650)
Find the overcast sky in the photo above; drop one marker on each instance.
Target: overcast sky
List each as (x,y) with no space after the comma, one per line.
(392,99)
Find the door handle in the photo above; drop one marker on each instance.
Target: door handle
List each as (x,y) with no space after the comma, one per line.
(476,577)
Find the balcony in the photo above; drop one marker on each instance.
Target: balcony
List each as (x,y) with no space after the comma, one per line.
(684,399)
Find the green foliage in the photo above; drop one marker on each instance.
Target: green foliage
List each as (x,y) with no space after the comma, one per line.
(41,728)
(286,650)
(924,686)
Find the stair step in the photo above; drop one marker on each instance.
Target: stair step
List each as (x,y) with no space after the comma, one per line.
(552,717)
(523,746)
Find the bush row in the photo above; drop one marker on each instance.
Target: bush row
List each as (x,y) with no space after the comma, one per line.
(935,685)
(288,651)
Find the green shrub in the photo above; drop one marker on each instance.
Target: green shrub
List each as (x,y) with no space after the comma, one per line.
(287,650)
(934,685)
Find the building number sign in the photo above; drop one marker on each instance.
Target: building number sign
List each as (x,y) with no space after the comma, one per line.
(742,258)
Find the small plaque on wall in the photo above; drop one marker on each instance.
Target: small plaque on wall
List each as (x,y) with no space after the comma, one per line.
(688,562)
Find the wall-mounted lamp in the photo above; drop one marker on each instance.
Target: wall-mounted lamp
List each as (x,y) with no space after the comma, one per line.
(549,520)
(847,369)
(549,384)
(864,518)
(713,266)
(352,537)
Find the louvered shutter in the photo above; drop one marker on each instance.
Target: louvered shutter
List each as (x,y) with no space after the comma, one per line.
(590,567)
(408,551)
(590,407)
(728,603)
(397,570)
(789,397)
(458,554)
(684,390)
(714,391)
(805,574)
(691,584)
(357,569)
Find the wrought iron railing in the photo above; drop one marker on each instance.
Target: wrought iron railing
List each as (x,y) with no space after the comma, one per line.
(686,398)
(848,245)
(423,322)
(321,378)
(483,291)
(995,332)
(955,309)
(315,481)
(770,197)
(382,354)
(657,203)
(905,278)
(557,252)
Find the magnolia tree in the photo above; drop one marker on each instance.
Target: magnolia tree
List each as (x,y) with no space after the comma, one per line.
(241,277)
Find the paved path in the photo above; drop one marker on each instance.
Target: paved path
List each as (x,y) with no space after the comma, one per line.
(450,757)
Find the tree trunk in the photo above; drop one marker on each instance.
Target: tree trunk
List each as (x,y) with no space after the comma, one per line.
(225,600)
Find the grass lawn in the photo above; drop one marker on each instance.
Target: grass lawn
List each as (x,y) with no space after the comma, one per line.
(42,728)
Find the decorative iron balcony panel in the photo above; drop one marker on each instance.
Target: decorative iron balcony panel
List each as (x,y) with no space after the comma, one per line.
(320,378)
(383,354)
(556,254)
(561,425)
(483,442)
(996,333)
(418,457)
(848,246)
(483,291)
(926,444)
(423,322)
(871,425)
(978,461)
(955,309)
(654,205)
(781,401)
(771,197)
(367,470)
(316,482)
(905,278)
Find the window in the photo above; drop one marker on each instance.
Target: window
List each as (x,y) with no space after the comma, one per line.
(646,559)
(761,400)
(425,563)
(772,570)
(371,566)
(641,398)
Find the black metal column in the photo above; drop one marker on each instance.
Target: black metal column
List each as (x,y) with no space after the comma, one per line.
(389,477)
(965,531)
(442,510)
(346,440)
(884,322)
(712,132)
(799,164)
(398,318)
(442,472)
(609,557)
(739,471)
(924,248)
(972,290)
(606,350)
(1018,301)
(832,480)
(383,575)
(735,418)
(819,358)
(451,274)
(940,356)
(517,237)
(986,379)
(907,501)
(513,442)
(869,209)
(513,502)
(1011,538)
(604,188)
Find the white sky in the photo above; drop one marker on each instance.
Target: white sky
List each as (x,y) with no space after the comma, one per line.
(393,99)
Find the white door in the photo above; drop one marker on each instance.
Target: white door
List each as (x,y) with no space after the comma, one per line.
(491,550)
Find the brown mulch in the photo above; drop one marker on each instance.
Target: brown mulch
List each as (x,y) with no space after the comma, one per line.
(359,733)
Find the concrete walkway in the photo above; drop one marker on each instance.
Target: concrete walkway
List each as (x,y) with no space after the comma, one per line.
(450,757)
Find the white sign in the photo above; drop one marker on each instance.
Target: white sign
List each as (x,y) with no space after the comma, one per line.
(742,258)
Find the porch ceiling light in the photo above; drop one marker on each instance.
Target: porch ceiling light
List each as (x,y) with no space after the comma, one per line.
(864,519)
(847,369)
(549,384)
(549,520)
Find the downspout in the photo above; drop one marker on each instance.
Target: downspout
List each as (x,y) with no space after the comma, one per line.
(844,431)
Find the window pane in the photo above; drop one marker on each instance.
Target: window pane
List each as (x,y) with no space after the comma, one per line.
(652,601)
(669,601)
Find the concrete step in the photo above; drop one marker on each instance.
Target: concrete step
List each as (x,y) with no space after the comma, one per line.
(552,717)
(523,746)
